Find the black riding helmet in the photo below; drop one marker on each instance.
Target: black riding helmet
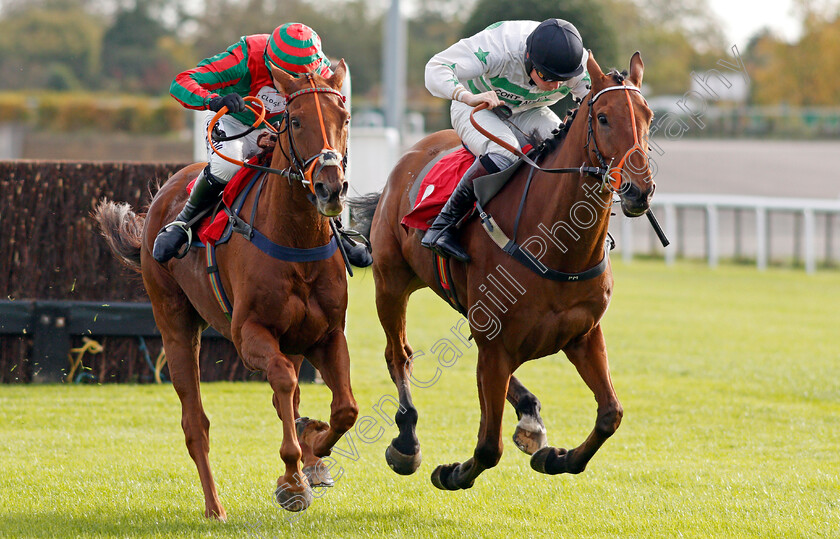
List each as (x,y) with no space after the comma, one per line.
(555,49)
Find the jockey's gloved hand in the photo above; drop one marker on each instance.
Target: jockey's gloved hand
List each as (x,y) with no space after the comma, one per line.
(233,102)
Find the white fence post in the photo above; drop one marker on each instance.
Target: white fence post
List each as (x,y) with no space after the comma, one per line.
(761,238)
(712,234)
(809,233)
(671,232)
(626,239)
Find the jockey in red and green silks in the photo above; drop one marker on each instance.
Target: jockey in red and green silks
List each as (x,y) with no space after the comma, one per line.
(244,69)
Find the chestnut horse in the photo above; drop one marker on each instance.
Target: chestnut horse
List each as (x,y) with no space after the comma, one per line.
(281,310)
(535,317)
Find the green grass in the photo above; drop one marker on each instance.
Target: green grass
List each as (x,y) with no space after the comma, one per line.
(730,381)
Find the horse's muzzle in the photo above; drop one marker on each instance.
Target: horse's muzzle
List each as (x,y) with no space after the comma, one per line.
(634,201)
(330,197)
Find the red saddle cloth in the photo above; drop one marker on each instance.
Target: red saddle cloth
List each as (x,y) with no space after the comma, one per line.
(436,187)
(211,228)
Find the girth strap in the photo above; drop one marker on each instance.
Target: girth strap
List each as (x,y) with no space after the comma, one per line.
(444,276)
(216,281)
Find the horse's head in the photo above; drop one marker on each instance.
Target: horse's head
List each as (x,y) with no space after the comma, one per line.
(317,124)
(619,121)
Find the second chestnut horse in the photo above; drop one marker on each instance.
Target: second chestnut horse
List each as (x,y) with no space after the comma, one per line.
(567,217)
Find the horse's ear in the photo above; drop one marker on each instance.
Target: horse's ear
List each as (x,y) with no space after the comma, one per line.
(595,73)
(284,82)
(339,73)
(637,69)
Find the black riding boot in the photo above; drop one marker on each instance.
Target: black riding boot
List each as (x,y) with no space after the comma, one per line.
(441,235)
(171,239)
(358,252)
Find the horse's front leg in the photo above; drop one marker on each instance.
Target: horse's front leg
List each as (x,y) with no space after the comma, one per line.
(333,360)
(589,356)
(392,293)
(260,350)
(494,372)
(530,435)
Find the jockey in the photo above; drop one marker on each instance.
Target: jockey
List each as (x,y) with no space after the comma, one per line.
(222,81)
(524,65)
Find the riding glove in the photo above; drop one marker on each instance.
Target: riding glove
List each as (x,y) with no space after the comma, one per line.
(233,102)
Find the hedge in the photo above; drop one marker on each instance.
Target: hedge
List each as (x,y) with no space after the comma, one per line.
(51,249)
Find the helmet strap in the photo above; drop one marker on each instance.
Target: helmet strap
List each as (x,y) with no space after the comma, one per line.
(529,66)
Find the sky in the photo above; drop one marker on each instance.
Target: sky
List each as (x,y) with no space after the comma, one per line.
(743,18)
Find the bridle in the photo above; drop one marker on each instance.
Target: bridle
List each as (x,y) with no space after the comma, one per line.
(612,180)
(610,176)
(302,170)
(328,156)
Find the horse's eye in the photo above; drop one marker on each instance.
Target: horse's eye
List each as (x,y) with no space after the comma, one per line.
(602,119)
(295,123)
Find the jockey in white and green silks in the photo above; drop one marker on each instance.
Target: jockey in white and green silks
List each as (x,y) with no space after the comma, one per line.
(525,65)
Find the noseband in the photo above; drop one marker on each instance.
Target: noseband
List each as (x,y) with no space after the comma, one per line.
(613,178)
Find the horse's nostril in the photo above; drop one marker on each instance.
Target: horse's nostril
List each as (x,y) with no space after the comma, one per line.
(321,191)
(632,191)
(344,187)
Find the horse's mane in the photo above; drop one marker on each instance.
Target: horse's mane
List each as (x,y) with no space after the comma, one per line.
(618,76)
(559,134)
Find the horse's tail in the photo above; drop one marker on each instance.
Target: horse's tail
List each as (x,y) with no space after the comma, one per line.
(122,229)
(362,209)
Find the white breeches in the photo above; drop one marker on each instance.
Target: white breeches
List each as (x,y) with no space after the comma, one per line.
(537,123)
(241,149)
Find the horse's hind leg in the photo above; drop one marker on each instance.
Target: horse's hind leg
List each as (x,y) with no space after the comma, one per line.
(392,292)
(494,371)
(180,328)
(530,434)
(589,356)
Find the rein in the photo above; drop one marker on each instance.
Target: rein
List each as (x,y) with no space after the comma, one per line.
(583,169)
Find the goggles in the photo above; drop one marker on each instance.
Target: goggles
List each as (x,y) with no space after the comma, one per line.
(549,77)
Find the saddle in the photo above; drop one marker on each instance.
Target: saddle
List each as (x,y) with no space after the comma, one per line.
(214,228)
(438,180)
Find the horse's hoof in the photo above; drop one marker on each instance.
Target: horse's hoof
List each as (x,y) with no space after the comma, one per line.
(318,475)
(402,464)
(529,441)
(293,501)
(551,460)
(442,476)
(216,513)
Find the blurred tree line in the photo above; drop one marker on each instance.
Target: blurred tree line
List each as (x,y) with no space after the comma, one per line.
(805,73)
(138,46)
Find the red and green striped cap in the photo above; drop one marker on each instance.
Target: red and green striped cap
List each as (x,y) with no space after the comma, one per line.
(295,48)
